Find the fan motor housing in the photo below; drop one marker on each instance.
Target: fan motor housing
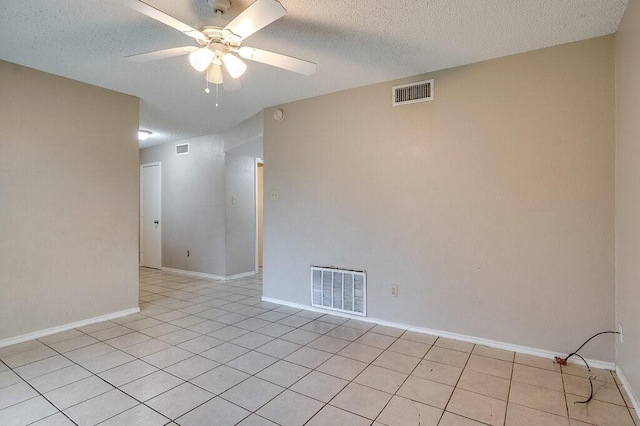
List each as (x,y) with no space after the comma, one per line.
(216,34)
(219,49)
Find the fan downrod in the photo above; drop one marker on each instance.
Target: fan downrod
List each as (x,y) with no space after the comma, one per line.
(219,5)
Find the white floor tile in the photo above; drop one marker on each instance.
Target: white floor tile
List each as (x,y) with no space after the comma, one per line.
(127,373)
(290,409)
(179,400)
(59,378)
(152,385)
(101,408)
(220,379)
(140,415)
(26,412)
(57,419)
(8,378)
(192,367)
(77,392)
(224,413)
(15,394)
(332,416)
(286,365)
(252,394)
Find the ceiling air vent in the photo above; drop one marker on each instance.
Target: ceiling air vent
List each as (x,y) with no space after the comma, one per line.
(182,149)
(411,93)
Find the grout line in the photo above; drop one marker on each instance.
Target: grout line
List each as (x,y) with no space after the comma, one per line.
(96,374)
(169,292)
(369,329)
(444,410)
(564,394)
(406,378)
(38,392)
(332,354)
(513,367)
(225,364)
(299,327)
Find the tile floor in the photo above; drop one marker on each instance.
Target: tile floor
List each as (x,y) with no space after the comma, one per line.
(203,352)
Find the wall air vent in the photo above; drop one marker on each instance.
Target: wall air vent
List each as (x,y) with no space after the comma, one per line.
(340,290)
(411,93)
(182,149)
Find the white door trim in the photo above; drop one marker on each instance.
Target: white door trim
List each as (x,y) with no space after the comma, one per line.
(255,173)
(141,242)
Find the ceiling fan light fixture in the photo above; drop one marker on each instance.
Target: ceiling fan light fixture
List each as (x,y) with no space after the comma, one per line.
(234,65)
(201,58)
(214,74)
(220,54)
(247,52)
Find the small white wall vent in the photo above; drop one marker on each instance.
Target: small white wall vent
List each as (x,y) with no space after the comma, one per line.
(340,290)
(411,93)
(182,149)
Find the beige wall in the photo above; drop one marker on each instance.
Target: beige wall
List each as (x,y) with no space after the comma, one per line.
(628,192)
(68,201)
(492,207)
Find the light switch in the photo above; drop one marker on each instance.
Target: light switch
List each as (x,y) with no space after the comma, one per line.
(275,195)
(233,199)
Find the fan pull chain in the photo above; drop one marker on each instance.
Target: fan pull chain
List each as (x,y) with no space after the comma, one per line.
(206,90)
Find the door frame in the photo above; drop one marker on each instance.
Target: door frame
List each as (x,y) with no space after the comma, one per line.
(255,168)
(141,209)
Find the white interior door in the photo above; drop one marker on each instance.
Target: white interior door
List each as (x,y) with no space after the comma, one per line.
(150,224)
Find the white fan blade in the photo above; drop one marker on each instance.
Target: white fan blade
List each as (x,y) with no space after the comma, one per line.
(161,54)
(277,60)
(229,84)
(260,14)
(160,16)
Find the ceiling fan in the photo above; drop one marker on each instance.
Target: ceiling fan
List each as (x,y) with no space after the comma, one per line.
(218,46)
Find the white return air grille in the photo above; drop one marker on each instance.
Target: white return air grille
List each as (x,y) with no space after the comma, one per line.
(339,290)
(411,93)
(182,149)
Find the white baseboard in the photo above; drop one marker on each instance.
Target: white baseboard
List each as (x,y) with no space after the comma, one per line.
(203,275)
(463,337)
(244,274)
(57,329)
(194,274)
(627,387)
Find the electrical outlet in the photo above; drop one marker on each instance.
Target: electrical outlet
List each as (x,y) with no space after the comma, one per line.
(620,336)
(275,195)
(394,291)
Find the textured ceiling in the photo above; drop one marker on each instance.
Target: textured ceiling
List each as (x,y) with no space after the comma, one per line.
(354,43)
